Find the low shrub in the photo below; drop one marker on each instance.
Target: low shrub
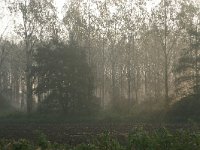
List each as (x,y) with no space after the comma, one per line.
(139,139)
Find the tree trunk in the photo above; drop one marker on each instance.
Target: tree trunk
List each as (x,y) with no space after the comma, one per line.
(166,80)
(113,82)
(166,57)
(103,80)
(129,84)
(29,92)
(29,98)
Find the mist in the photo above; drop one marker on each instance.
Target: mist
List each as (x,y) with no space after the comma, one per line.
(98,63)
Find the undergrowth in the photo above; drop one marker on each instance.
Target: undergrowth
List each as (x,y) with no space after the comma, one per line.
(139,139)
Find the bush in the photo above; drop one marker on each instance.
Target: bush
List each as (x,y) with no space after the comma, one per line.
(106,142)
(162,139)
(43,143)
(22,145)
(140,139)
(185,109)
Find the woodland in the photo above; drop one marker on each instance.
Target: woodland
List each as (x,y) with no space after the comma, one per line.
(126,62)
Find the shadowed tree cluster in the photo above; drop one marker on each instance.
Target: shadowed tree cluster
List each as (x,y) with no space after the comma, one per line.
(64,80)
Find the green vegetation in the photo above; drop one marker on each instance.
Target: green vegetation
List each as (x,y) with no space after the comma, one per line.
(140,139)
(185,109)
(66,83)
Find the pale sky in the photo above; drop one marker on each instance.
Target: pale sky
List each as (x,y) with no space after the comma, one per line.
(59,5)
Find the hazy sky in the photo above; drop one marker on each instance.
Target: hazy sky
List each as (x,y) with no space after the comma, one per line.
(59,5)
(6,19)
(150,3)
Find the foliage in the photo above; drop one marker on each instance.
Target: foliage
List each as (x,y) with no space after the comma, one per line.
(43,142)
(187,68)
(106,142)
(162,139)
(185,109)
(140,139)
(64,77)
(22,145)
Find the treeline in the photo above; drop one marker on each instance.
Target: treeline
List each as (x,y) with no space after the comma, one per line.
(101,54)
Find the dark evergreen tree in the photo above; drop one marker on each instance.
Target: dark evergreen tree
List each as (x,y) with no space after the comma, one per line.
(65,79)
